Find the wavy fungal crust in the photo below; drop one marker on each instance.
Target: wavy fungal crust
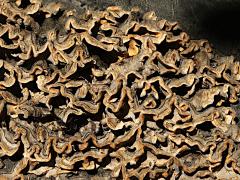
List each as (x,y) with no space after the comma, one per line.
(112,94)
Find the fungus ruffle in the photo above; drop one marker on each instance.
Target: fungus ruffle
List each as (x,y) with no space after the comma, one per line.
(111,91)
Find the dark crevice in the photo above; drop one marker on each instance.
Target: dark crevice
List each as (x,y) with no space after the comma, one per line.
(83,73)
(39,17)
(58,14)
(88,97)
(181,131)
(50,163)
(193,132)
(140,31)
(122,19)
(15,89)
(28,64)
(198,169)
(79,30)
(89,147)
(221,80)
(3,19)
(161,144)
(213,63)
(73,90)
(3,71)
(19,154)
(28,28)
(119,132)
(92,172)
(159,90)
(144,125)
(138,92)
(61,65)
(77,167)
(206,126)
(167,76)
(74,123)
(6,38)
(32,85)
(182,90)
(6,54)
(117,94)
(165,47)
(170,115)
(155,74)
(69,50)
(41,105)
(4,118)
(134,178)
(58,101)
(194,150)
(108,33)
(237,120)
(100,131)
(40,118)
(99,115)
(190,55)
(100,78)
(176,32)
(140,160)
(53,80)
(41,40)
(130,79)
(107,57)
(24,4)
(128,143)
(160,124)
(124,110)
(25,170)
(95,29)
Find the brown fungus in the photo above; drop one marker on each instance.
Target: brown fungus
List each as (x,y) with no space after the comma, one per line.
(87,92)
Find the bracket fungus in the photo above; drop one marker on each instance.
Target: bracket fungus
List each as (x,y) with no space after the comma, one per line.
(112,93)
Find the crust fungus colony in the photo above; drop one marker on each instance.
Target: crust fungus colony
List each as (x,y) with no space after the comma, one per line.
(112,92)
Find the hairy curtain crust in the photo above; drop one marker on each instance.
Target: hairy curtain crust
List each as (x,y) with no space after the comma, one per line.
(115,93)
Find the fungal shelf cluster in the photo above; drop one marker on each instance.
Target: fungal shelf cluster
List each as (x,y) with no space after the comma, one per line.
(115,94)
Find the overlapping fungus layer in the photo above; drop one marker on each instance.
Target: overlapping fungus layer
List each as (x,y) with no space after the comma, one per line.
(112,91)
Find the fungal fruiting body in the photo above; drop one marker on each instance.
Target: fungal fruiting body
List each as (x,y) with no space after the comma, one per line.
(112,93)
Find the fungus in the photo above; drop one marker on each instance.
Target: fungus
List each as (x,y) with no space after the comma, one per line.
(108,91)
